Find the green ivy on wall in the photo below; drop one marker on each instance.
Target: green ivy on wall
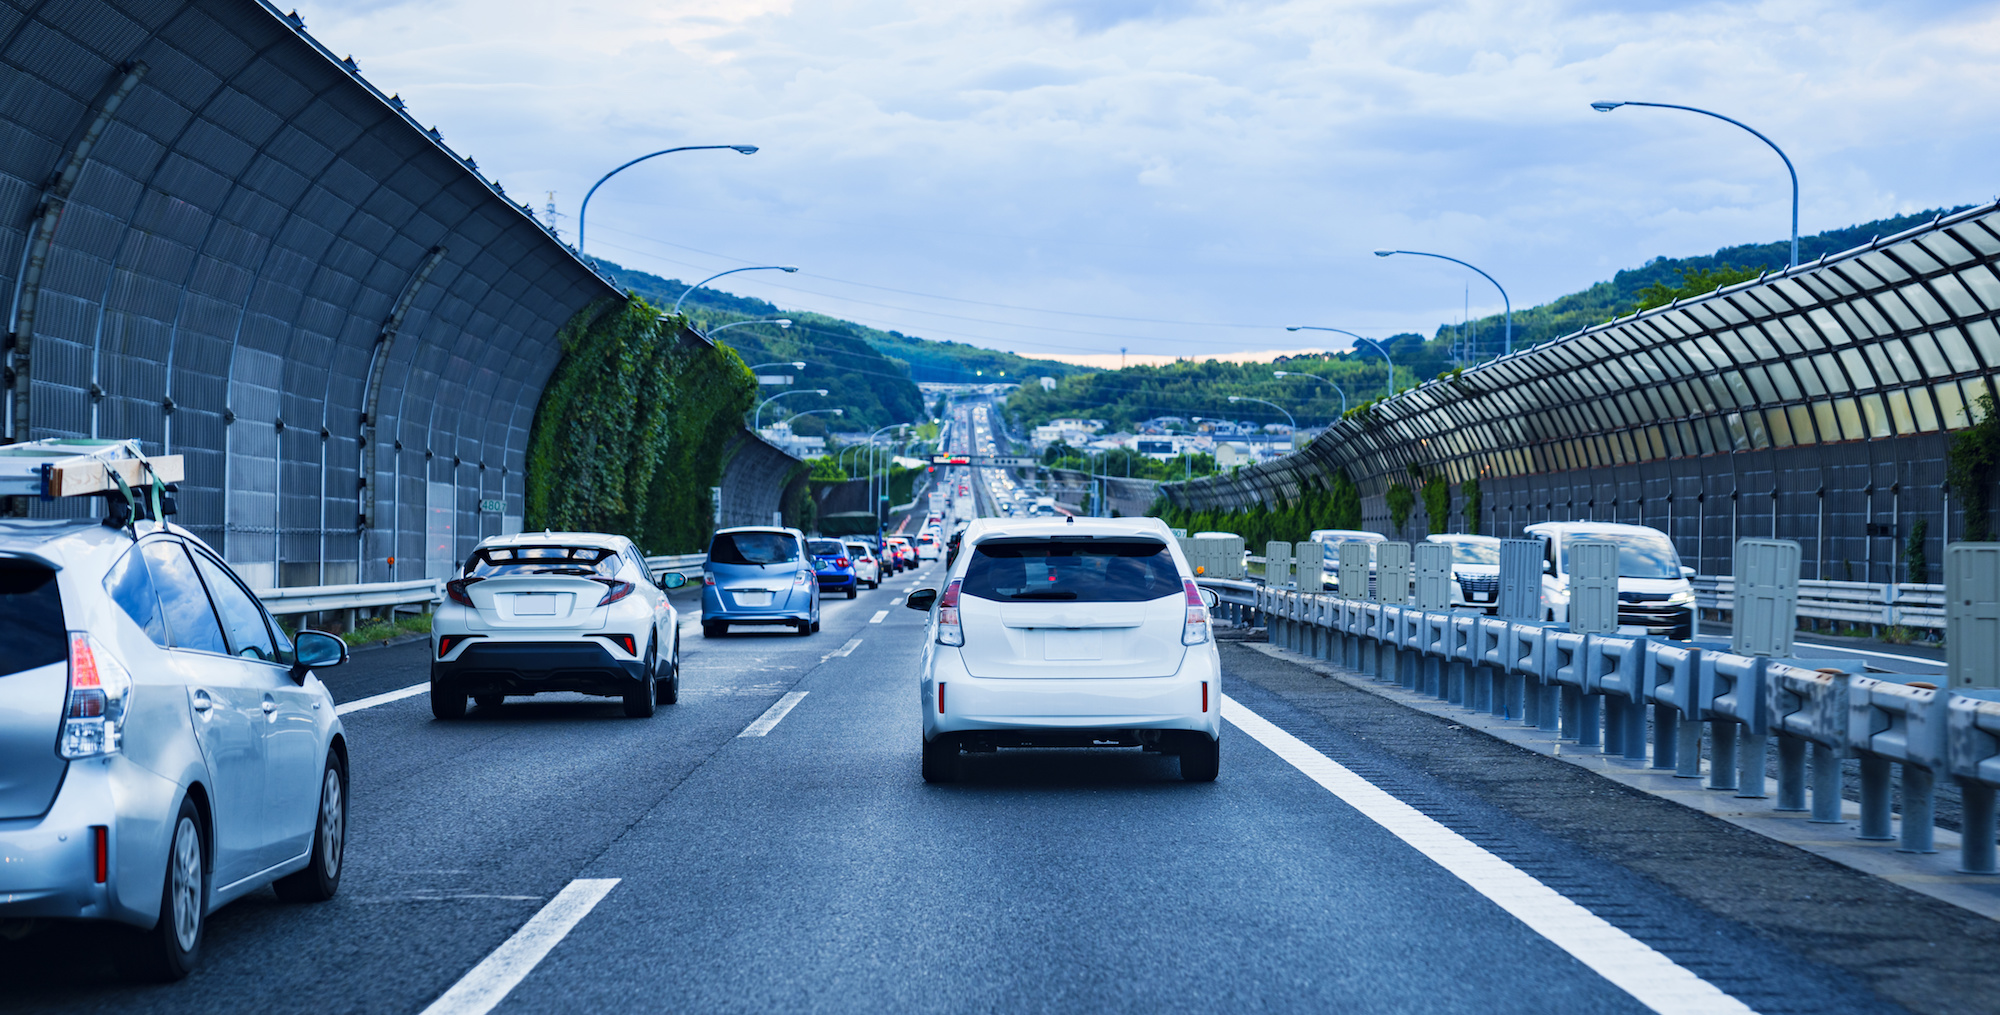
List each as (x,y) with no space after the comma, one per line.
(1469,490)
(633,428)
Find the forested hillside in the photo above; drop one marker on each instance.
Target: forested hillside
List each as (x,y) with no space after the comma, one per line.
(921,358)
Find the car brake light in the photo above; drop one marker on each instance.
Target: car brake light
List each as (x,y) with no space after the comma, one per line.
(624,641)
(99,690)
(100,846)
(447,642)
(940,697)
(841,562)
(707,579)
(1195,630)
(802,578)
(1204,695)
(614,590)
(949,631)
(456,590)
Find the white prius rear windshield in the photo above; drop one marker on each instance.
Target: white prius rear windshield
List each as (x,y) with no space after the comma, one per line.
(1071,569)
(494,561)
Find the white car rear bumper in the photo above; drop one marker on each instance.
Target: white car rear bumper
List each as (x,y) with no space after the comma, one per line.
(1057,703)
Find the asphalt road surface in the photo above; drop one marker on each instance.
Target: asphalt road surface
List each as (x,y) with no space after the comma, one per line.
(554,856)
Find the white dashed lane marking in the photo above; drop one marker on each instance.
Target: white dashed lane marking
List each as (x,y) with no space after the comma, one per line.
(775,714)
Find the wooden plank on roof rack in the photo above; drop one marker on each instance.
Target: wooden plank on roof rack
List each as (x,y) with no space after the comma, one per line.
(79,477)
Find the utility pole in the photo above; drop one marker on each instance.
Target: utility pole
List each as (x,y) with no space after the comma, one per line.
(550,215)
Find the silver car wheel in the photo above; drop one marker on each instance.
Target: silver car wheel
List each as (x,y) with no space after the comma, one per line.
(185,870)
(332,823)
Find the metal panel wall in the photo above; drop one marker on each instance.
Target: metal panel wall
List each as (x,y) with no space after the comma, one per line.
(1811,404)
(250,230)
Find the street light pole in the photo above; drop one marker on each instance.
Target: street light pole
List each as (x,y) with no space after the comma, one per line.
(1606,107)
(1508,346)
(746,149)
(1280,408)
(732,271)
(812,412)
(1336,388)
(759,418)
(780,322)
(1381,349)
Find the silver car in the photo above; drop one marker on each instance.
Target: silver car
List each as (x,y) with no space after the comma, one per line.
(164,747)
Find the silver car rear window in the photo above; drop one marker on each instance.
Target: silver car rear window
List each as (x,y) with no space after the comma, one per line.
(31,617)
(1071,570)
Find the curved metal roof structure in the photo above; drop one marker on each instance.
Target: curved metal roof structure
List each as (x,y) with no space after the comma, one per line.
(1895,339)
(217,238)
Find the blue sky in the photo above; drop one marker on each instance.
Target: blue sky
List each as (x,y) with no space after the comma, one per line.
(1185,177)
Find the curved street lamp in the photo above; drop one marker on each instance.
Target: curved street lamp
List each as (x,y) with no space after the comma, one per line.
(795,364)
(782,322)
(1380,349)
(1508,346)
(1274,405)
(1336,388)
(1606,107)
(746,149)
(732,271)
(783,394)
(812,412)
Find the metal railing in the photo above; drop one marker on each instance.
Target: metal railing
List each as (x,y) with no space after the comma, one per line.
(1903,605)
(1603,691)
(333,598)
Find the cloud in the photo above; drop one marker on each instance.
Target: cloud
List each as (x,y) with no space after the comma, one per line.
(1227,164)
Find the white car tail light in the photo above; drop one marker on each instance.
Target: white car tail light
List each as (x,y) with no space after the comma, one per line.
(99,689)
(950,632)
(614,590)
(455,589)
(1195,630)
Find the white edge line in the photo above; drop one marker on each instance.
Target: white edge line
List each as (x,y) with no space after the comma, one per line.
(489,982)
(1864,652)
(775,714)
(382,699)
(1629,964)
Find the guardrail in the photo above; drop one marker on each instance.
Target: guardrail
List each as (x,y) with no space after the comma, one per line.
(332,598)
(1602,691)
(1905,605)
(690,564)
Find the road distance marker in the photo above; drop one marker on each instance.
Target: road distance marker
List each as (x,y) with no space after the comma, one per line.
(880,616)
(1629,964)
(489,982)
(775,714)
(382,699)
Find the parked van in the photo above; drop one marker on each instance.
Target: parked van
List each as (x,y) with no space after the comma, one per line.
(1655,595)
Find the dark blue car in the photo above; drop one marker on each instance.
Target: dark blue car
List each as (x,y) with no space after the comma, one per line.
(831,563)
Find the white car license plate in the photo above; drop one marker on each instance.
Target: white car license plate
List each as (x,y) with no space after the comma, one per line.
(757,598)
(534,606)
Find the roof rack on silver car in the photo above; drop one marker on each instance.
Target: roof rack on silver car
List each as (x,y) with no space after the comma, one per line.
(132,484)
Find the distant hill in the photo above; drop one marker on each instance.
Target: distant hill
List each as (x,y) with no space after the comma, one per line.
(1189,388)
(1621,295)
(921,359)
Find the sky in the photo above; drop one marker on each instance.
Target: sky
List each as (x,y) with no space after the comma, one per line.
(1184,178)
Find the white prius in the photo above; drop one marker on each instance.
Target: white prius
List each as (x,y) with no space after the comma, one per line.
(1079,632)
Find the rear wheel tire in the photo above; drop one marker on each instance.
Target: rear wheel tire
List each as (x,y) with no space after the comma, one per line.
(940,759)
(803,627)
(853,590)
(815,628)
(446,704)
(713,630)
(172,949)
(489,702)
(639,700)
(669,689)
(1201,757)
(321,878)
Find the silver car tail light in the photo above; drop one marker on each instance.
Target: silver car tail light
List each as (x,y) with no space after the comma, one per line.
(950,632)
(100,687)
(1195,630)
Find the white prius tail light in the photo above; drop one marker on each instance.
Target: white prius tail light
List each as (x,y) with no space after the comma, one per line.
(950,632)
(99,689)
(1195,630)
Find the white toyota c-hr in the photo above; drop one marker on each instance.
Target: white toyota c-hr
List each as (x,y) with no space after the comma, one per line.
(1083,632)
(556,611)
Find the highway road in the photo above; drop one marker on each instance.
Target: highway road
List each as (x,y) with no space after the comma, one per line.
(553,856)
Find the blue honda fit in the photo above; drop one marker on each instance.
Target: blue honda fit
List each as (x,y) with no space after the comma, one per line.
(758,575)
(834,567)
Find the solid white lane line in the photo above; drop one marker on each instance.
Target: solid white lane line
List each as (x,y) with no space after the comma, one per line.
(1651,978)
(880,615)
(776,713)
(493,978)
(382,699)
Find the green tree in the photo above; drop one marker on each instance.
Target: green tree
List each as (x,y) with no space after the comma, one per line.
(1694,282)
(1345,507)
(1399,500)
(1437,503)
(1469,490)
(1970,464)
